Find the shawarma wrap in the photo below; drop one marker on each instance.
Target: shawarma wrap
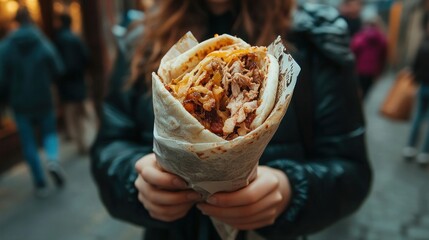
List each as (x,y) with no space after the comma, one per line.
(217,105)
(232,89)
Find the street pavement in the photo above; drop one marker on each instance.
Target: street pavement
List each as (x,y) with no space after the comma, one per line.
(74,213)
(397,208)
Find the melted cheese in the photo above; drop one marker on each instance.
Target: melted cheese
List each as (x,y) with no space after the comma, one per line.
(231,54)
(191,81)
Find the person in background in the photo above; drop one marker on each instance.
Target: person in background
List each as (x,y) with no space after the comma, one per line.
(71,85)
(350,10)
(370,48)
(29,65)
(315,170)
(420,70)
(126,42)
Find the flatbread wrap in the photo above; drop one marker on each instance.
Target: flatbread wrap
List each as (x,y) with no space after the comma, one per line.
(217,104)
(231,91)
(227,85)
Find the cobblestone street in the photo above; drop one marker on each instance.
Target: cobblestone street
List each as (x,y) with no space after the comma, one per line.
(397,209)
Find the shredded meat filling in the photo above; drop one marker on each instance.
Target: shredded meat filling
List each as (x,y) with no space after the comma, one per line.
(224,97)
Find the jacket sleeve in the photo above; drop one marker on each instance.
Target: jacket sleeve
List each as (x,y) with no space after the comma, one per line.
(113,156)
(334,181)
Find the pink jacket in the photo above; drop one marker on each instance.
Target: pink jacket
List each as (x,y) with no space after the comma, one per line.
(370,49)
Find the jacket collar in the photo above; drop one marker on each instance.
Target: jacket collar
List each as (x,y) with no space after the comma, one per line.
(323,26)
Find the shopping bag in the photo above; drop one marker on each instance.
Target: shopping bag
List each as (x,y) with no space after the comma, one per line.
(399,101)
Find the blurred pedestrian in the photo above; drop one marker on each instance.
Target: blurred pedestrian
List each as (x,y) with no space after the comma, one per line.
(314,171)
(420,70)
(29,65)
(72,85)
(350,10)
(370,48)
(126,42)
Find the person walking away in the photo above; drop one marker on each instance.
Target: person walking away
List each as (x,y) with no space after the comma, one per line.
(370,49)
(71,86)
(29,65)
(350,11)
(421,76)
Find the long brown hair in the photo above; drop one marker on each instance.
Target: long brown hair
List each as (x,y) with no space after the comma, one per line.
(259,21)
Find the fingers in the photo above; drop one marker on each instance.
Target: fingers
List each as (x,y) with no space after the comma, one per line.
(147,159)
(255,206)
(165,213)
(163,197)
(261,218)
(165,205)
(167,197)
(247,212)
(161,179)
(258,189)
(153,174)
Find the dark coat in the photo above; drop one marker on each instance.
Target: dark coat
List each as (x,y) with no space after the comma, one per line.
(420,67)
(74,54)
(29,65)
(330,177)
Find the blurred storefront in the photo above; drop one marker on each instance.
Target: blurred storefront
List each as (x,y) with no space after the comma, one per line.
(92,20)
(8,9)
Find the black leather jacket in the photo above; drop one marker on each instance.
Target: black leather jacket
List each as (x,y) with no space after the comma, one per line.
(330,174)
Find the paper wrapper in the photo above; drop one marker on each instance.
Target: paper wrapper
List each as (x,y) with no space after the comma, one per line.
(208,163)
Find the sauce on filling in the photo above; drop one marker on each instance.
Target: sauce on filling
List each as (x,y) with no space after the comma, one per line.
(222,92)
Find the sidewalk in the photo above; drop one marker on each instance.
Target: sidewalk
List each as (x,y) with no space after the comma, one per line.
(74,213)
(398,207)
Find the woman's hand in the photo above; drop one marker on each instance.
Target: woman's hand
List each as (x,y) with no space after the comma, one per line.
(165,195)
(255,206)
